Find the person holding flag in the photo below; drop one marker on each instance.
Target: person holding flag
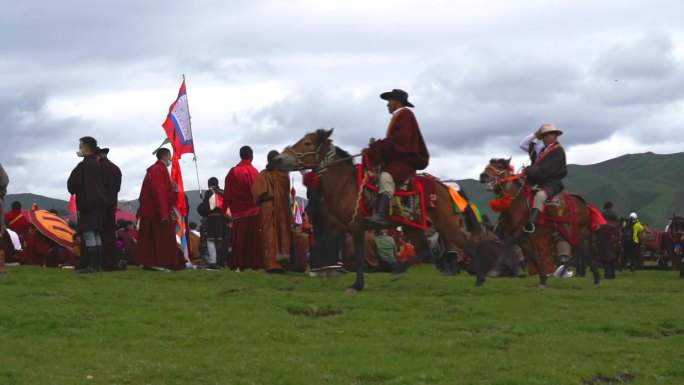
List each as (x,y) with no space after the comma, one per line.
(156,248)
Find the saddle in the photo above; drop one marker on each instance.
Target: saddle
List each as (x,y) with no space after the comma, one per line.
(559,212)
(407,206)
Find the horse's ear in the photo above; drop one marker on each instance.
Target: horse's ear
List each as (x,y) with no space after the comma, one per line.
(328,133)
(508,161)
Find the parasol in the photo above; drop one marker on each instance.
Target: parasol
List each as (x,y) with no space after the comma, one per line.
(52,227)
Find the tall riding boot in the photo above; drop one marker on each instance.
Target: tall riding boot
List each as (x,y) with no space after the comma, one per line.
(530,225)
(86,260)
(610,270)
(99,255)
(381,209)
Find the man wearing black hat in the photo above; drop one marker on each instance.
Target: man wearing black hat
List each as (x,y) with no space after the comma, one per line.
(400,153)
(111,257)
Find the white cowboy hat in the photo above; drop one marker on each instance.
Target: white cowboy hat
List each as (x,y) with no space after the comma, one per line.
(545,129)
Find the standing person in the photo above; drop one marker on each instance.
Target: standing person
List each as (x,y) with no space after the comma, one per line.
(157,248)
(214,223)
(271,192)
(112,256)
(325,249)
(245,253)
(545,175)
(632,249)
(400,153)
(4,182)
(87,183)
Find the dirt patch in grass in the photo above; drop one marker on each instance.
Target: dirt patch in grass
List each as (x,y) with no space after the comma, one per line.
(314,311)
(235,291)
(601,379)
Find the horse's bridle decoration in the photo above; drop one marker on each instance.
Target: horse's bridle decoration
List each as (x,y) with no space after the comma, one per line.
(500,186)
(320,168)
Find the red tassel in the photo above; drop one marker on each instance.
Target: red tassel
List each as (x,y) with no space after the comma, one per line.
(501,204)
(311,180)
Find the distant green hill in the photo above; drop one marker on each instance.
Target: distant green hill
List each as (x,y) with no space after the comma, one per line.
(27,200)
(649,184)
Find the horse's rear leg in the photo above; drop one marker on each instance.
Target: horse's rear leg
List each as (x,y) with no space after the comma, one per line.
(467,246)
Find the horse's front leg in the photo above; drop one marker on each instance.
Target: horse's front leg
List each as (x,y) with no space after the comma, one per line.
(359,261)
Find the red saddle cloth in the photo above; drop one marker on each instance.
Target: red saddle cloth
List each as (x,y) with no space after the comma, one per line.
(408,205)
(559,212)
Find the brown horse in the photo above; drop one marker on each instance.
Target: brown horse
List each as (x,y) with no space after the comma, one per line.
(508,188)
(341,193)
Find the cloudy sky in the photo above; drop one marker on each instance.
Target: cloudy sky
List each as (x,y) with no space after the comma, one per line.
(482,75)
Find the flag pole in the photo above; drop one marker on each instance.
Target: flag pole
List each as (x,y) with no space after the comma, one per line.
(194,153)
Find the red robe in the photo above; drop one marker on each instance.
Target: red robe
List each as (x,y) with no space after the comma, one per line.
(16,221)
(157,241)
(237,197)
(403,150)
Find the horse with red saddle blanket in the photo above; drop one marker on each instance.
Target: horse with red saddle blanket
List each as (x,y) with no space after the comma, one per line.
(344,191)
(565,215)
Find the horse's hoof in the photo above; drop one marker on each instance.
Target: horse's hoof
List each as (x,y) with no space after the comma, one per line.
(542,286)
(479,283)
(351,290)
(396,276)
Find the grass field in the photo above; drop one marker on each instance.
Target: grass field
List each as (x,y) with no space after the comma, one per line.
(199,327)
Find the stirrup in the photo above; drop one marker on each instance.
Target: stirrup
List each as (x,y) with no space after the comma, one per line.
(527,230)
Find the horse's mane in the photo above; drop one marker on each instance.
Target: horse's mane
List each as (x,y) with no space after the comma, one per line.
(502,161)
(322,136)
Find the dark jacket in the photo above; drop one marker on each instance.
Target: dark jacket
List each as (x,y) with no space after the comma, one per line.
(548,170)
(214,220)
(112,181)
(87,182)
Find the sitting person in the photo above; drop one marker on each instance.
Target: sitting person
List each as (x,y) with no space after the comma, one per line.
(545,175)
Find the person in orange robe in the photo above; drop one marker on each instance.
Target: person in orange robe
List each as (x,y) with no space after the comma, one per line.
(157,248)
(237,197)
(270,192)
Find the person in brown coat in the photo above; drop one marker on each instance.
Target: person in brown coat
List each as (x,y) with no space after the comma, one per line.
(400,153)
(271,192)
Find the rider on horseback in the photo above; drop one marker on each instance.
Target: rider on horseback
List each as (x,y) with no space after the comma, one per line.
(400,153)
(545,175)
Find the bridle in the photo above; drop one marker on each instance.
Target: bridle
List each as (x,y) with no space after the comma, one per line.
(321,167)
(503,185)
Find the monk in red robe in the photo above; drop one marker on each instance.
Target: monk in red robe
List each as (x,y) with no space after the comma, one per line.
(15,220)
(157,247)
(237,197)
(400,153)
(270,192)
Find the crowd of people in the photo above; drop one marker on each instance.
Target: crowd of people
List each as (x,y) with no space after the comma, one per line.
(249,223)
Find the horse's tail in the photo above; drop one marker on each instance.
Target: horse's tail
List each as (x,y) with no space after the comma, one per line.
(471,223)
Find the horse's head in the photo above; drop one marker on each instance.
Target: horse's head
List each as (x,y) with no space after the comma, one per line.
(496,170)
(307,153)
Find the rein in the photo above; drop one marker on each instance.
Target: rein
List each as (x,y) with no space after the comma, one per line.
(321,167)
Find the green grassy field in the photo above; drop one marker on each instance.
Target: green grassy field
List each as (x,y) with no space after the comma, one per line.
(198,327)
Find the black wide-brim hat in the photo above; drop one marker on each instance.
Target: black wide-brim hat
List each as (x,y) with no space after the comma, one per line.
(397,94)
